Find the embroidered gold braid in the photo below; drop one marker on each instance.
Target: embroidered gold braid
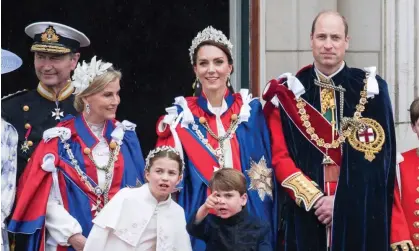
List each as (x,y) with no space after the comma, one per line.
(404,245)
(50,48)
(327,97)
(345,133)
(305,191)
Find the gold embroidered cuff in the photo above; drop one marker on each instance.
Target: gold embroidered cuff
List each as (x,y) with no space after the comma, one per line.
(304,190)
(402,245)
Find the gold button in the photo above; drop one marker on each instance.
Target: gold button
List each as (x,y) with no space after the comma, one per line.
(417,212)
(86,150)
(416,236)
(202,120)
(26,108)
(417,201)
(417,178)
(234,117)
(30,143)
(417,189)
(416,224)
(112,145)
(27,126)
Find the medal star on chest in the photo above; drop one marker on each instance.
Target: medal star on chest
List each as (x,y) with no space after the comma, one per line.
(260,178)
(58,114)
(25,146)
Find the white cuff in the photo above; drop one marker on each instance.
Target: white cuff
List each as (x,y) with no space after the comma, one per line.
(59,223)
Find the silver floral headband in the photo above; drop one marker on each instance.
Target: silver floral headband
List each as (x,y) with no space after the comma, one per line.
(86,72)
(212,34)
(153,153)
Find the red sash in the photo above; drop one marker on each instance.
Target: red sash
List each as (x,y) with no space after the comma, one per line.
(198,154)
(322,127)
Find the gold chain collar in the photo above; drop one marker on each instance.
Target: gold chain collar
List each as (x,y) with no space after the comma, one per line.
(345,133)
(219,151)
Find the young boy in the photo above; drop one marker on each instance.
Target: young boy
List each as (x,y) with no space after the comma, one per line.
(405,215)
(230,228)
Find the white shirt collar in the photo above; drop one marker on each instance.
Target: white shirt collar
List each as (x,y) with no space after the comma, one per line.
(218,110)
(332,75)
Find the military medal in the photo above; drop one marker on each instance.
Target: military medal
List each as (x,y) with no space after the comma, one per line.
(25,146)
(57,113)
(27,143)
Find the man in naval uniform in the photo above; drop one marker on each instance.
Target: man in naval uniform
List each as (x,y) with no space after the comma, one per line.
(31,112)
(333,148)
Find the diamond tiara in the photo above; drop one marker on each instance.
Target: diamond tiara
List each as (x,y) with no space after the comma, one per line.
(153,152)
(212,34)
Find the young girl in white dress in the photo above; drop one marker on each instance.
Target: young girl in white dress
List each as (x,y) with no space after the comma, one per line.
(145,218)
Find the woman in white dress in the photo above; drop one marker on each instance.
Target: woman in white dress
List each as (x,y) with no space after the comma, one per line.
(145,218)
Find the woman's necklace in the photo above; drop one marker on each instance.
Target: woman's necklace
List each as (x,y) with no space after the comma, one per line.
(97,190)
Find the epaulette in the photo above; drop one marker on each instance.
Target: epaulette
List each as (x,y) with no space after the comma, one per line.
(14,94)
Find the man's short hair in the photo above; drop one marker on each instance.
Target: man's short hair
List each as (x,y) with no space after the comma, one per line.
(228,179)
(414,111)
(345,23)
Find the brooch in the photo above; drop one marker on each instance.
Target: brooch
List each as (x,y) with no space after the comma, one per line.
(369,139)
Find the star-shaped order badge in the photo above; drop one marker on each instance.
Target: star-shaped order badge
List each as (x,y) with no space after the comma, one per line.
(57,114)
(25,146)
(260,178)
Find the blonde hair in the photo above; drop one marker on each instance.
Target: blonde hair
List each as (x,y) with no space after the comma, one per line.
(99,83)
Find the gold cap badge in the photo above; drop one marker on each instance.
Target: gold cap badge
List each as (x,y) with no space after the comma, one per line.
(49,35)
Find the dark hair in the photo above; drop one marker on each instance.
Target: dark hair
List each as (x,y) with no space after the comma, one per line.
(414,111)
(169,154)
(216,44)
(228,179)
(345,23)
(197,91)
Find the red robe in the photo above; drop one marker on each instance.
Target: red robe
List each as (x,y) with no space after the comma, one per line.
(405,215)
